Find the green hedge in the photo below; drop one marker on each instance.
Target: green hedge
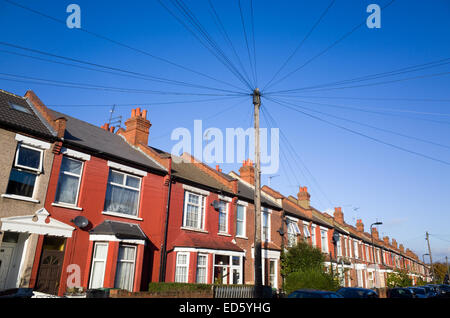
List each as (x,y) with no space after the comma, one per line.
(175,287)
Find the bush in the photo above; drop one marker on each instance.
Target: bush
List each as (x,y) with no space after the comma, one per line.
(177,287)
(398,278)
(313,278)
(301,257)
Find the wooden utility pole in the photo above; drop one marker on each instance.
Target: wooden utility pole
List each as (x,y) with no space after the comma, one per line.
(431,258)
(257,198)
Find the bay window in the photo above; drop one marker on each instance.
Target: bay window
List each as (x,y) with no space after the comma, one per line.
(125,267)
(202,264)
(292,232)
(122,193)
(182,268)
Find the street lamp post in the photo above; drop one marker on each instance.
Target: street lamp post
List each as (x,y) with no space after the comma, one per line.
(373,251)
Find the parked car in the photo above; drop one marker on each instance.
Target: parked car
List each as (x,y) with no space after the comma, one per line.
(401,292)
(16,293)
(445,289)
(311,293)
(429,291)
(433,290)
(420,292)
(351,292)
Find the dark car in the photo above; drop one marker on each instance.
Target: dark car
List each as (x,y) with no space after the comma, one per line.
(429,291)
(310,293)
(350,292)
(433,290)
(401,292)
(420,292)
(16,293)
(445,290)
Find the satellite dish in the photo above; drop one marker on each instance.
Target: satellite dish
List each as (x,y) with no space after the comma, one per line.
(80,221)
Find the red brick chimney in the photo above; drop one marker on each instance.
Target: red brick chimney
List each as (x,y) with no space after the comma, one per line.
(401,248)
(359,225)
(394,243)
(137,127)
(303,197)
(247,171)
(338,215)
(386,240)
(218,168)
(375,233)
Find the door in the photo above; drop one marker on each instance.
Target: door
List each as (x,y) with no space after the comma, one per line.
(6,253)
(49,272)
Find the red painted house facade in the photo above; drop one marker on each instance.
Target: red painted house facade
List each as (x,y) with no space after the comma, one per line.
(116,193)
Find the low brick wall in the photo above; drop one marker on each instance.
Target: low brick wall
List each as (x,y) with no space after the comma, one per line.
(382,292)
(120,293)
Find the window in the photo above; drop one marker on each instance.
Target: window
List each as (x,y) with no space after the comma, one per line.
(355,249)
(313,235)
(240,220)
(98,265)
(122,193)
(125,267)
(273,273)
(339,246)
(202,263)
(292,232)
(69,181)
(20,108)
(367,254)
(194,210)
(265,224)
(223,217)
(306,233)
(181,269)
(324,240)
(27,166)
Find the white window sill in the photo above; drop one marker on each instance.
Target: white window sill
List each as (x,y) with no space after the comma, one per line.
(223,234)
(66,206)
(19,197)
(193,229)
(242,237)
(122,215)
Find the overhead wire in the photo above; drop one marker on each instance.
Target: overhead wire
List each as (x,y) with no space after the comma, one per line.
(347,34)
(97,35)
(252,68)
(301,44)
(283,104)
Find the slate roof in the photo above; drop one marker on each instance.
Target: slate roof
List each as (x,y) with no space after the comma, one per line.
(248,193)
(200,240)
(25,121)
(121,230)
(100,141)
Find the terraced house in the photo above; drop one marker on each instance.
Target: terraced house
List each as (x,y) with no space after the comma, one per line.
(94,207)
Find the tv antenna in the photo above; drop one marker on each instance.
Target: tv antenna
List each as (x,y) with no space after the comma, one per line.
(114,121)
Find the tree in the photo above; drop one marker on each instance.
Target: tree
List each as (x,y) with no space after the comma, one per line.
(302,266)
(440,270)
(398,278)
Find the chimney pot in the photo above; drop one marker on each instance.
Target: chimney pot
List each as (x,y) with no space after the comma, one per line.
(303,197)
(247,171)
(137,128)
(338,215)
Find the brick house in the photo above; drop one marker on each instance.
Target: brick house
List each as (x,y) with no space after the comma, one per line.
(27,141)
(112,195)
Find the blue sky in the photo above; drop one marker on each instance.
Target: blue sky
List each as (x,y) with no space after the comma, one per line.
(407,192)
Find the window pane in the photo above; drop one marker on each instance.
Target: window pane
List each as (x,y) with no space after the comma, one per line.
(121,200)
(115,177)
(21,183)
(71,165)
(29,158)
(98,272)
(133,182)
(240,228)
(67,189)
(101,251)
(193,198)
(126,253)
(192,216)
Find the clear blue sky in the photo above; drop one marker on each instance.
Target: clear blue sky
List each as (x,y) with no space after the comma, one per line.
(408,193)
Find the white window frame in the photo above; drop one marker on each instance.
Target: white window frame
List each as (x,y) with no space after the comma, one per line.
(201,205)
(313,235)
(263,211)
(73,175)
(275,278)
(244,221)
(324,247)
(292,225)
(41,158)
(126,187)
(356,249)
(339,246)
(177,265)
(225,203)
(98,260)
(205,267)
(127,261)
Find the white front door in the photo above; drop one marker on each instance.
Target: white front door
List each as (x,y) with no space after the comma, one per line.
(6,252)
